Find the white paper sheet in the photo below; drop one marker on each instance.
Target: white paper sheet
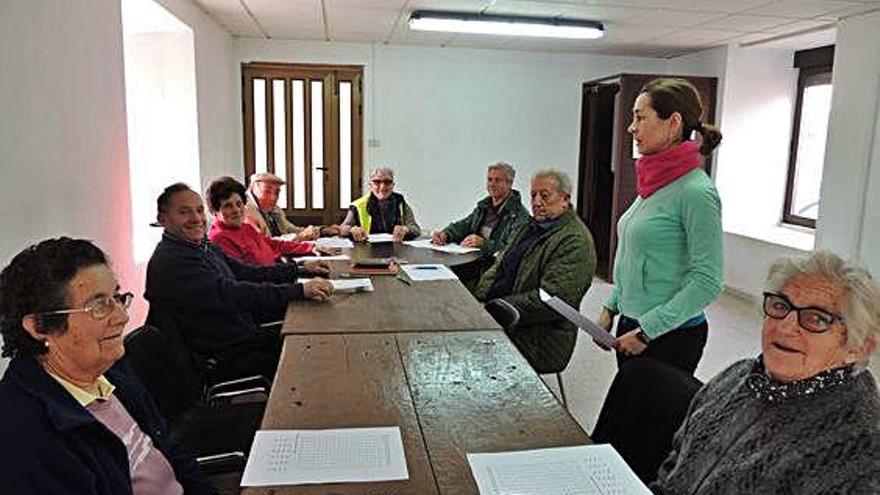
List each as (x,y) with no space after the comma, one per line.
(333,257)
(296,457)
(334,242)
(581,470)
(578,319)
(374,238)
(347,285)
(420,272)
(452,248)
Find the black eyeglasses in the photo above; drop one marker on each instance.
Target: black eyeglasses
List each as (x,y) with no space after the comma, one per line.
(379,182)
(99,308)
(811,319)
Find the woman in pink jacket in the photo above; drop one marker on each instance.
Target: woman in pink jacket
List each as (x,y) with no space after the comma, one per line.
(240,240)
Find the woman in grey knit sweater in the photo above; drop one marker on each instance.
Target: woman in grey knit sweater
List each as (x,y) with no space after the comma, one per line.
(804,417)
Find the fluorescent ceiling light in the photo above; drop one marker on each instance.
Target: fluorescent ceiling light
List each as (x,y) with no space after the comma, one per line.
(454,22)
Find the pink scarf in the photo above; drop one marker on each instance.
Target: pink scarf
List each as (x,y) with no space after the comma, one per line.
(657,170)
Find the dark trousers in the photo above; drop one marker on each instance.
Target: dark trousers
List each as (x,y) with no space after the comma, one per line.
(681,348)
(257,356)
(647,402)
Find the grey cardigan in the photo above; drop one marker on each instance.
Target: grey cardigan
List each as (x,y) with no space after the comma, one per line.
(826,441)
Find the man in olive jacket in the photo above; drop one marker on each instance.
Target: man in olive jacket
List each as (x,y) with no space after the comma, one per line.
(554,251)
(495,219)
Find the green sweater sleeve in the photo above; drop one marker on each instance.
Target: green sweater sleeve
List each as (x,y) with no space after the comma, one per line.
(701,218)
(458,230)
(409,220)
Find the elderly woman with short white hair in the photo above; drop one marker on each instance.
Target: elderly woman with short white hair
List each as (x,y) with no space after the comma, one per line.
(804,416)
(380,211)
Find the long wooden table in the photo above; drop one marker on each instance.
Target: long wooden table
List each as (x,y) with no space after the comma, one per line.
(450,394)
(425,357)
(395,306)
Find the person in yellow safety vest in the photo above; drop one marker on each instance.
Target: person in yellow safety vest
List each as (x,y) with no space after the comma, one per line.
(381,211)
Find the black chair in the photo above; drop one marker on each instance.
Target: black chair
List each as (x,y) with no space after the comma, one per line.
(203,417)
(646,404)
(507,316)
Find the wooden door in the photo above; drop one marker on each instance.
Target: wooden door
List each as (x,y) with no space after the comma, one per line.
(304,123)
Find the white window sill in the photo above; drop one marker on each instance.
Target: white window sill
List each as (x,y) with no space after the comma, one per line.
(792,236)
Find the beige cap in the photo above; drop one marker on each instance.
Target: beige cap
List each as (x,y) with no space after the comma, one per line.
(266,177)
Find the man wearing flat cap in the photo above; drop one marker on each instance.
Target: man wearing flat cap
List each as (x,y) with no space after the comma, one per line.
(262,211)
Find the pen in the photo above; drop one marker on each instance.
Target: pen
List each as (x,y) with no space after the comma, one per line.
(425,268)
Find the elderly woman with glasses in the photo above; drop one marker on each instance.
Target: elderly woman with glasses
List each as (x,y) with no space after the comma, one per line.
(73,419)
(804,416)
(381,211)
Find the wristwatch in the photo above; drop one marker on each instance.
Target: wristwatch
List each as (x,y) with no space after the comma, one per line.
(641,336)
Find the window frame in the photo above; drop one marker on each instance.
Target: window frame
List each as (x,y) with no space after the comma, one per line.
(812,64)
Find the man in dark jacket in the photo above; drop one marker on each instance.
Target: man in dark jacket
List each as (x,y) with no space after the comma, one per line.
(216,301)
(495,219)
(553,251)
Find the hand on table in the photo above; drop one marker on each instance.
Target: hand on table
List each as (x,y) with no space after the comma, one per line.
(473,241)
(325,251)
(318,289)
(439,238)
(319,268)
(358,234)
(309,233)
(399,233)
(331,230)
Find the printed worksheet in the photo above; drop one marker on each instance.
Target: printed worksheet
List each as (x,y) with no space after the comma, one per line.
(374,238)
(297,457)
(334,242)
(581,470)
(422,272)
(346,285)
(452,248)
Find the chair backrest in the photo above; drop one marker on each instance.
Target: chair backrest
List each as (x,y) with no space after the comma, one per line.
(503,312)
(166,368)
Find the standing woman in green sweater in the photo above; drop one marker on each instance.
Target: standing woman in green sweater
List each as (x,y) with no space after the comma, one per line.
(668,266)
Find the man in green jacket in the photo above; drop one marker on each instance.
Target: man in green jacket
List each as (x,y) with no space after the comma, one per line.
(553,251)
(496,217)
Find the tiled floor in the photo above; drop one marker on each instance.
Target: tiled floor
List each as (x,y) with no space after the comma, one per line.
(734,333)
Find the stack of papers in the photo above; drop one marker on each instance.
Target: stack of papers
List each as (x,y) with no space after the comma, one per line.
(335,242)
(452,248)
(349,455)
(582,470)
(572,315)
(324,257)
(375,238)
(425,272)
(347,285)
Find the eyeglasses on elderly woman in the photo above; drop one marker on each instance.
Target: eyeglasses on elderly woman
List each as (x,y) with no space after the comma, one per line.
(811,319)
(100,308)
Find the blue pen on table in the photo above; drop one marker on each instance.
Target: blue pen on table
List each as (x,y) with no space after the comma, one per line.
(426,268)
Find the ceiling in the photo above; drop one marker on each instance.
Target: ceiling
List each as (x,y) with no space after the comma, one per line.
(654,28)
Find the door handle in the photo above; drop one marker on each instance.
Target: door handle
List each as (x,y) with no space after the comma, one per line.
(321,168)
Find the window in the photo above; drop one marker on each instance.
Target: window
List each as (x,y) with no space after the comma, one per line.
(809,132)
(304,123)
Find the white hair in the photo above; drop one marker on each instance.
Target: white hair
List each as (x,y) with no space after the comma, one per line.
(506,168)
(382,172)
(563,183)
(861,304)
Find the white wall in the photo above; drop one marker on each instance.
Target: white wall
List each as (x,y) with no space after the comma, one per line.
(62,128)
(219,114)
(443,114)
(849,222)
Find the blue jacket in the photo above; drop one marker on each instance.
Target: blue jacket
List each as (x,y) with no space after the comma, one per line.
(53,445)
(219,301)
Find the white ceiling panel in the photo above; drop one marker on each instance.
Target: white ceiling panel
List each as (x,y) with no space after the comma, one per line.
(633,27)
(746,23)
(801,8)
